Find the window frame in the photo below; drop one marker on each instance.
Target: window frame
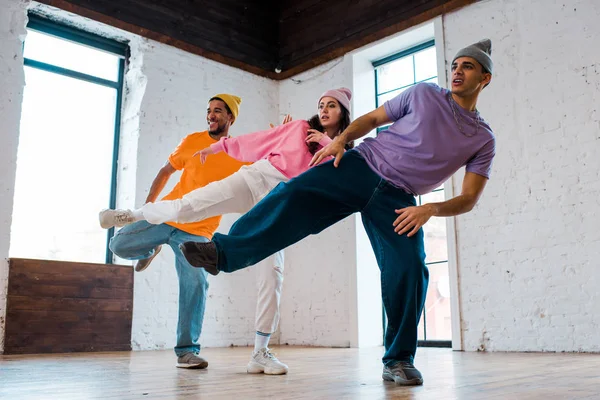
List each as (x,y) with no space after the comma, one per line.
(45,26)
(396,56)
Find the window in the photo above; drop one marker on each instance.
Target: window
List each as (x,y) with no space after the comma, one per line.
(393,75)
(398,72)
(69,133)
(435,326)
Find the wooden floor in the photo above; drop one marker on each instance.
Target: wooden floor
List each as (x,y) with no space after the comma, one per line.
(315,373)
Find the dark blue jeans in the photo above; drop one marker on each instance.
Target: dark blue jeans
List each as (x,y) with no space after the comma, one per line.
(318,199)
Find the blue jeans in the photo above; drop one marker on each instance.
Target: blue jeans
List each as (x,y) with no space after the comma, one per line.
(318,199)
(137,241)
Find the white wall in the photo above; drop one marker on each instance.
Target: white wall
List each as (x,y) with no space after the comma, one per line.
(12,81)
(529,253)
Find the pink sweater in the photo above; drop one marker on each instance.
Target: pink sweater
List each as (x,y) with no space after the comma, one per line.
(284,146)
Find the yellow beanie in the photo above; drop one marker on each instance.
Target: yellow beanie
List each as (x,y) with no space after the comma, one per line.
(233,102)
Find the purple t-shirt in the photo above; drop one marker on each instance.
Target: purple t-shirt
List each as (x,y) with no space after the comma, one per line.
(424,146)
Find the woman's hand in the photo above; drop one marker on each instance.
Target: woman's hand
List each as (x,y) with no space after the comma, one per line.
(203,153)
(314,136)
(286,119)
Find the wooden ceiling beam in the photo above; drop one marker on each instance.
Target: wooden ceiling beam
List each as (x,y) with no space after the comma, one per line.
(253,55)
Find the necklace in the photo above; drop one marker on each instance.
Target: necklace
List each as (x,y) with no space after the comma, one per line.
(457,115)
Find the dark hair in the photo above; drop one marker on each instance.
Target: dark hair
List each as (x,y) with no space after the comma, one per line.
(315,123)
(224,102)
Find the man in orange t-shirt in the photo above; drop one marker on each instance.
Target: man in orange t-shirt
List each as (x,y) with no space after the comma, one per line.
(142,241)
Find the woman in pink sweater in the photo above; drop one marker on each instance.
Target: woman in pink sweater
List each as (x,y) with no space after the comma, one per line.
(278,155)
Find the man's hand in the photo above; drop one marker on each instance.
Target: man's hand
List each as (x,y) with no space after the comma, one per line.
(335,148)
(315,136)
(203,153)
(286,119)
(411,219)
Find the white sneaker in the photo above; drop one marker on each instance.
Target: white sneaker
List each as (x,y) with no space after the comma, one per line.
(109,218)
(264,361)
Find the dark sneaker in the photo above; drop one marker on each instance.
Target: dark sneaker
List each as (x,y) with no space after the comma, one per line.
(403,374)
(143,264)
(191,361)
(201,255)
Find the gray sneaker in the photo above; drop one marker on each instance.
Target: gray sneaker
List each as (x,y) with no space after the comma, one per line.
(141,265)
(191,361)
(263,361)
(403,374)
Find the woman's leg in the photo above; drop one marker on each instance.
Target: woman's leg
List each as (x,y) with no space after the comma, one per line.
(230,195)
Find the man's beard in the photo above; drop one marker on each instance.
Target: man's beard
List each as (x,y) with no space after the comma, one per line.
(220,129)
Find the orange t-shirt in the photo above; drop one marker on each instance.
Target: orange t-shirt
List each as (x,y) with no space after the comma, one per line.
(196,175)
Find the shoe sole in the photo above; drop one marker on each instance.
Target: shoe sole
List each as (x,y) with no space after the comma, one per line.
(102,225)
(400,382)
(147,260)
(259,369)
(202,365)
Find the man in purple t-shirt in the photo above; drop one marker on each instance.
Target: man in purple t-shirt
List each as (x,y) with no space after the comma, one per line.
(434,132)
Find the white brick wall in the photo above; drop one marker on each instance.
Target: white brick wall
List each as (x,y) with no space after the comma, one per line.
(12,81)
(529,253)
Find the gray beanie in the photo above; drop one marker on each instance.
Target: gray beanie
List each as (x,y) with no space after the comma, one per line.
(480,51)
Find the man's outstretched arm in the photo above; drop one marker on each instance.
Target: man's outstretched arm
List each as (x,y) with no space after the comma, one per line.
(410,219)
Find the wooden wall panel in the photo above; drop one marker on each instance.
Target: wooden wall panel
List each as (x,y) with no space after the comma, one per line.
(313,32)
(56,307)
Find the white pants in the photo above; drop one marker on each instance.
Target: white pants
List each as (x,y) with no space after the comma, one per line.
(237,193)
